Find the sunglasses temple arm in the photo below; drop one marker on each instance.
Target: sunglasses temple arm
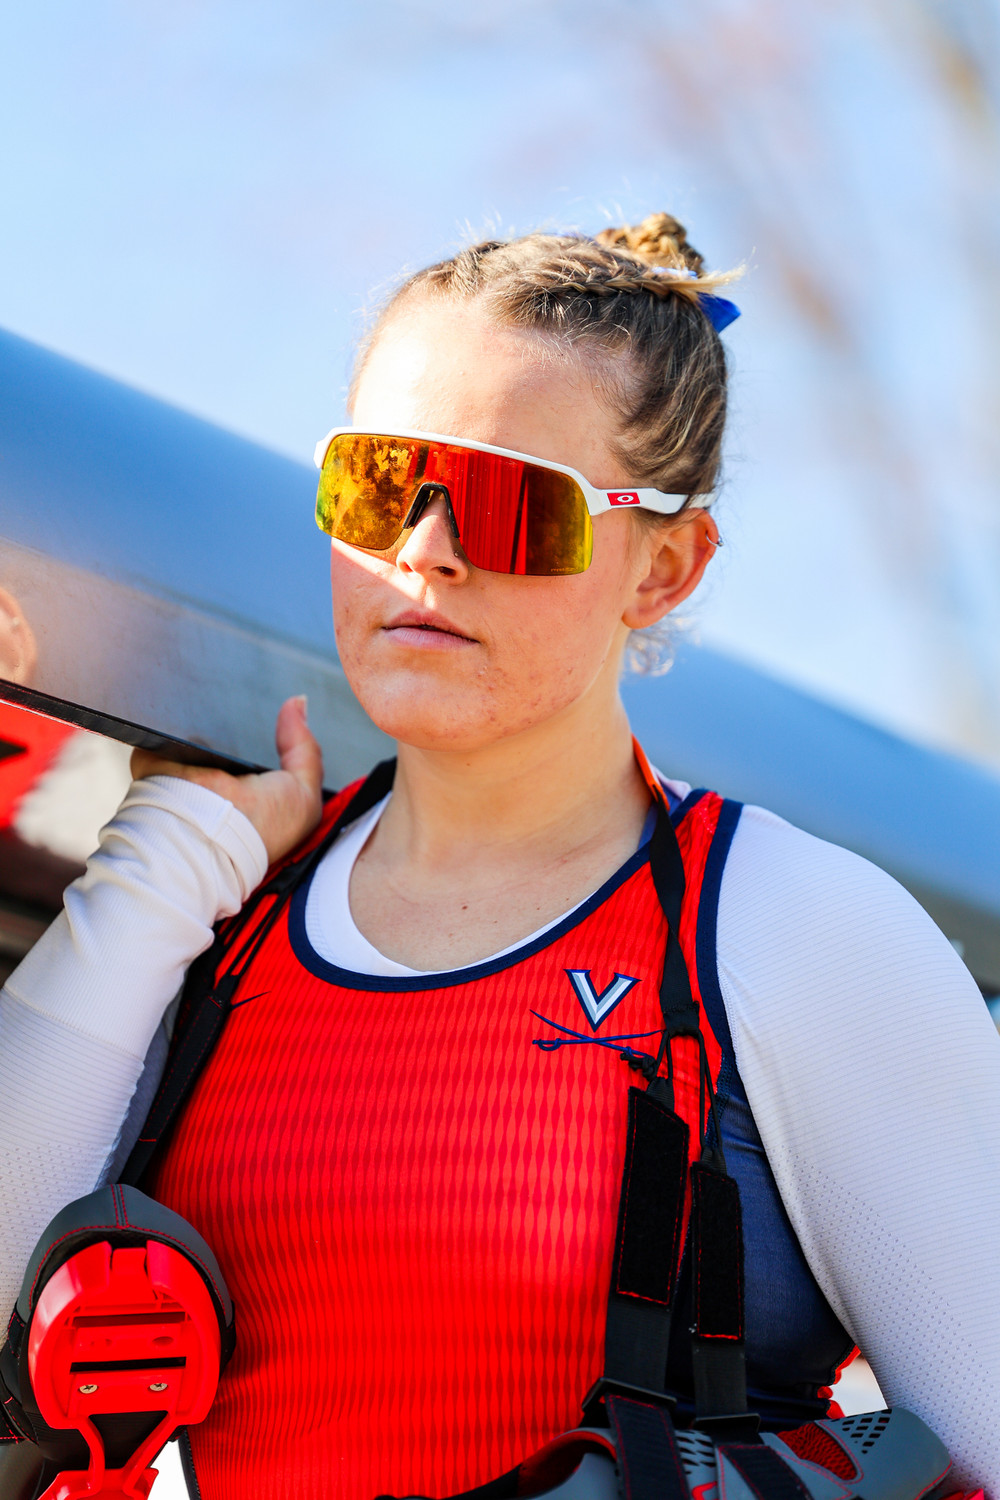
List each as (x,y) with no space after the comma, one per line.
(665,504)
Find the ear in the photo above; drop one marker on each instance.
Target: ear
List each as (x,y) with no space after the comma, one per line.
(678,557)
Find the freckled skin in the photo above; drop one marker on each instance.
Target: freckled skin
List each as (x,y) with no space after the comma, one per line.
(534,650)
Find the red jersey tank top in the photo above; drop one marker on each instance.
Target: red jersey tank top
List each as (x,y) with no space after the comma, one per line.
(412,1187)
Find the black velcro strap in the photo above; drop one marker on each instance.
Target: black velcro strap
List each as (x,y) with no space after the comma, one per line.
(718,1362)
(648,1462)
(716,1254)
(764,1471)
(647,1245)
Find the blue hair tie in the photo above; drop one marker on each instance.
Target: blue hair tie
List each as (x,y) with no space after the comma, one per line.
(718,310)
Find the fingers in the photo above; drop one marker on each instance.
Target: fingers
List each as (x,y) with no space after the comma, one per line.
(297,746)
(284,806)
(146,763)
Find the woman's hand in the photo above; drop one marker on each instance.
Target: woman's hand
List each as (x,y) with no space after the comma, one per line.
(284,806)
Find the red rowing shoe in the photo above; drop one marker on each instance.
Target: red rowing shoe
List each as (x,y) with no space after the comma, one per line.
(117,1341)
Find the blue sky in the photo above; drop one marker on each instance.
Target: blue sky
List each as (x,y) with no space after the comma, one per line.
(203,199)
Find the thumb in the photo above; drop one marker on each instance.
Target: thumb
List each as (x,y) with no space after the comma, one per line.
(297,746)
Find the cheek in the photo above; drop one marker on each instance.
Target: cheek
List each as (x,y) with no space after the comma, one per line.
(553,637)
(357,583)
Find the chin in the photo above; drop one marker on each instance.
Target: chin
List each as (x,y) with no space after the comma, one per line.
(433,725)
(446,705)
(455,720)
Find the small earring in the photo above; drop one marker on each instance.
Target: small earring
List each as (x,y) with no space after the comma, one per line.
(716,541)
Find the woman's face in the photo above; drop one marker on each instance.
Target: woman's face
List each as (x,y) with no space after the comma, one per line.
(442,654)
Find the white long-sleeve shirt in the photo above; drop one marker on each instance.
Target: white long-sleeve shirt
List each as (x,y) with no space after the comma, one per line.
(870,1062)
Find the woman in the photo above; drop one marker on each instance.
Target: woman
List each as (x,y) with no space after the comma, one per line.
(407,1145)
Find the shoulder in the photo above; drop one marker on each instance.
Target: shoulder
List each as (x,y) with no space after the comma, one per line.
(776,873)
(781,879)
(821,953)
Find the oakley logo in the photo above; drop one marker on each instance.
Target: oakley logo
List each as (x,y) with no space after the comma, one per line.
(623,497)
(598,1006)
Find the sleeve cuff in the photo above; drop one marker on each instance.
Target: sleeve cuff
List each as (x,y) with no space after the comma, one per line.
(213,816)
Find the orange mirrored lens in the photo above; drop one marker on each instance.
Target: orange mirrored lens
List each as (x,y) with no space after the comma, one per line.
(366,488)
(512,516)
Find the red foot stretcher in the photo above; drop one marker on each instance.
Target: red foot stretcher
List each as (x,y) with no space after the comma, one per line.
(117,1341)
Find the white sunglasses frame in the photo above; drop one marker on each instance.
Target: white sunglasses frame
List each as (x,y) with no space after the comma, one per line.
(598,501)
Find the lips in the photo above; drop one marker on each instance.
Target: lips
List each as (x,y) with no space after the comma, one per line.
(429,621)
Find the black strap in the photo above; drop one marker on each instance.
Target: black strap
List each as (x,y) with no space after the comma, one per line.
(666,866)
(647,1245)
(651,1203)
(649,1465)
(651,1212)
(717,1254)
(214,978)
(717,1335)
(765,1472)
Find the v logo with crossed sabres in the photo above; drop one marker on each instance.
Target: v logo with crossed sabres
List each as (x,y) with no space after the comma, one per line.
(598,1006)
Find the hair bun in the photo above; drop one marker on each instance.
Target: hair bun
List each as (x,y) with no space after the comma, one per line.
(659,241)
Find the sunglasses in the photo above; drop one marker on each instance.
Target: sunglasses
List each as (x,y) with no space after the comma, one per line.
(511,513)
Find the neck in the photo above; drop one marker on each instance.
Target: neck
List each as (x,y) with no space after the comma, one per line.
(554,787)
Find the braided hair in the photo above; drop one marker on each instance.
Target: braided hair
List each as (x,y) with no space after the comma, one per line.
(629,298)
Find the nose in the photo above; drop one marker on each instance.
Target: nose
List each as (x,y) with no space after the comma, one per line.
(430,548)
